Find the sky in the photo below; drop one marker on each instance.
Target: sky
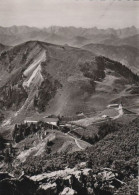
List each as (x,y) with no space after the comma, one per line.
(78,13)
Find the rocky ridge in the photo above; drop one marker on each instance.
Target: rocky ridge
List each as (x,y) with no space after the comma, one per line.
(79,180)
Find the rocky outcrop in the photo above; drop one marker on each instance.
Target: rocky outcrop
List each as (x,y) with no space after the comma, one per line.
(68,190)
(79,180)
(47,188)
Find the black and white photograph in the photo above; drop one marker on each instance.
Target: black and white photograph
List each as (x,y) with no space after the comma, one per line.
(69,97)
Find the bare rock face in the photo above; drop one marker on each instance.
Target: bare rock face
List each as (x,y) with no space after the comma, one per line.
(68,190)
(78,181)
(69,181)
(47,188)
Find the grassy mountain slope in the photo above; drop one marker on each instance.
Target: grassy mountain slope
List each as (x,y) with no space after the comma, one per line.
(41,77)
(125,54)
(3,47)
(132,41)
(110,149)
(117,151)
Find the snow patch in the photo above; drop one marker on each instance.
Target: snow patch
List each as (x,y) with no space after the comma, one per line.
(33,66)
(36,72)
(16,114)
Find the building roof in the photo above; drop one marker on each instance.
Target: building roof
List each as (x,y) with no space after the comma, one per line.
(113,106)
(50,120)
(111,112)
(37,119)
(30,121)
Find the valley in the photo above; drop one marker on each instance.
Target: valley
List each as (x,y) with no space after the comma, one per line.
(69,114)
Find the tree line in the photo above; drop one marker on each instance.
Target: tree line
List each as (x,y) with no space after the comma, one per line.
(21,131)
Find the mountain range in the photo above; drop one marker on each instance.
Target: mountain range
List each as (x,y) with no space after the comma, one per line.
(69,35)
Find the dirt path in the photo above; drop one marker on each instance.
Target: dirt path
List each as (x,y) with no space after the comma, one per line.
(76,141)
